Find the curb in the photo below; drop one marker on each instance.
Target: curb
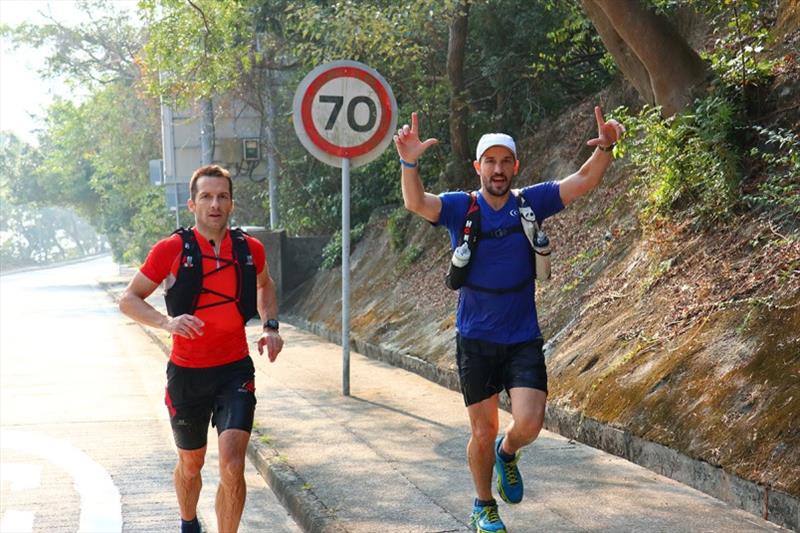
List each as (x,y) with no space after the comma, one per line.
(310,513)
(761,500)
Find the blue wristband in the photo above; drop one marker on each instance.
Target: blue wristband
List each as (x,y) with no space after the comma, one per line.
(407,164)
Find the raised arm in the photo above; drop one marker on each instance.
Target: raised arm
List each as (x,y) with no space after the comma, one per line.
(591,173)
(410,148)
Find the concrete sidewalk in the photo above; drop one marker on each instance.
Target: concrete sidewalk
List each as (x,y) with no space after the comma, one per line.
(391,457)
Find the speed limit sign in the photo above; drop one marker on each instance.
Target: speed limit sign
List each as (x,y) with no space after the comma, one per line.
(344,110)
(345,115)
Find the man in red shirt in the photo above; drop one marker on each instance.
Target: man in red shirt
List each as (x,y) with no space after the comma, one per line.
(210,375)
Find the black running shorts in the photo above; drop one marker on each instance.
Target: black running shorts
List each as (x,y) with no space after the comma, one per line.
(485,368)
(225,395)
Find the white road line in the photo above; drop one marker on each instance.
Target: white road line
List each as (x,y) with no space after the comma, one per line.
(18,521)
(21,476)
(101,508)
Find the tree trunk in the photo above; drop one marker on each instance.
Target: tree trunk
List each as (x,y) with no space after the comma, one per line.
(459,172)
(652,55)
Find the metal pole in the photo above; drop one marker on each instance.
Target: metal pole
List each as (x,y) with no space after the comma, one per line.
(177,207)
(207,132)
(345,276)
(272,159)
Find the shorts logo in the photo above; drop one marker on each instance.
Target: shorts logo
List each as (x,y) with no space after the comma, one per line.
(249,386)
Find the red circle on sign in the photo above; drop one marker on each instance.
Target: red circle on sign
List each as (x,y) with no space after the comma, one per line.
(311,129)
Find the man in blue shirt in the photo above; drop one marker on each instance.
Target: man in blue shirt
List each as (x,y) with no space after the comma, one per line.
(498,341)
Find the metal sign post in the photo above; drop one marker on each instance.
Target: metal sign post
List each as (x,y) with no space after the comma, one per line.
(346,276)
(344,115)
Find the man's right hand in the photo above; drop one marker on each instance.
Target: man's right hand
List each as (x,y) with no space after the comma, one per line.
(409,147)
(188,326)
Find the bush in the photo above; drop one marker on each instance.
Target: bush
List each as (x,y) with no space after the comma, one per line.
(397,227)
(778,151)
(688,163)
(332,253)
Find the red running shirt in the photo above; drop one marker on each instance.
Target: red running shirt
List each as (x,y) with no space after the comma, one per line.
(223,340)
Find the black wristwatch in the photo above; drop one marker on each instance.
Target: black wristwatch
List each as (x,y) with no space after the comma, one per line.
(272,324)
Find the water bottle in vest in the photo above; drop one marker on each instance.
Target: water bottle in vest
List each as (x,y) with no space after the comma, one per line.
(457,273)
(541,250)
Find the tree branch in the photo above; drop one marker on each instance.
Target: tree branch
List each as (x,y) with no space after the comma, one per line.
(205,23)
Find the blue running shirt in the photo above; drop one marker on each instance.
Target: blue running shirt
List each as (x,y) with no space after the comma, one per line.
(499,263)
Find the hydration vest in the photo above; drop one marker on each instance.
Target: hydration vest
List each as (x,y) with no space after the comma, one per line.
(184,294)
(471,234)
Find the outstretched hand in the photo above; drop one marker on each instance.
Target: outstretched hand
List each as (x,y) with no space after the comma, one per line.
(607,132)
(407,142)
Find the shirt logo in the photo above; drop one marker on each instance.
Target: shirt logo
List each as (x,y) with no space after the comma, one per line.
(514,213)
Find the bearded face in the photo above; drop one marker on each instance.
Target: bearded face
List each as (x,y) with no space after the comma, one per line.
(497,168)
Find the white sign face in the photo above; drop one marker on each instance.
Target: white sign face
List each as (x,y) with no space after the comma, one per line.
(344,110)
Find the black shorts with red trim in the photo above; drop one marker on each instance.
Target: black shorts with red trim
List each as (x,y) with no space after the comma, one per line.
(224,395)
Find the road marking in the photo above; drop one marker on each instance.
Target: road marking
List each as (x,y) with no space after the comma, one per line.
(21,476)
(19,521)
(101,508)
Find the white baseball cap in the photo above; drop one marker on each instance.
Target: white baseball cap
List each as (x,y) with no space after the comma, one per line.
(495,139)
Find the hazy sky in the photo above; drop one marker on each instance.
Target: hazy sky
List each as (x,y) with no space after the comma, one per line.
(22,92)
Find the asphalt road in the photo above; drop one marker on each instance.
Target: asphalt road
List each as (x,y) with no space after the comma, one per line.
(85,443)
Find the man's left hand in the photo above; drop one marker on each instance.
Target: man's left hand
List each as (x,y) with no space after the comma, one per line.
(607,132)
(274,343)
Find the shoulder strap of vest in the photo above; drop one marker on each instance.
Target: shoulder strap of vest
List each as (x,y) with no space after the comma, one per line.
(526,216)
(187,234)
(246,282)
(238,233)
(189,249)
(472,223)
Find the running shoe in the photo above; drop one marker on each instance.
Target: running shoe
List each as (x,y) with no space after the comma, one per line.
(485,519)
(509,480)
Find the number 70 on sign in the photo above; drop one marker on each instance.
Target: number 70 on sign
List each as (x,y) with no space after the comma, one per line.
(344,110)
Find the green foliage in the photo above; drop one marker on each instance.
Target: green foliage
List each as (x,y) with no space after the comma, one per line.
(332,253)
(778,150)
(197,49)
(31,232)
(711,161)
(529,61)
(695,163)
(740,64)
(689,163)
(411,255)
(397,227)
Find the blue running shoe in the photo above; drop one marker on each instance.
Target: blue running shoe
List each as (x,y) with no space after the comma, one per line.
(509,480)
(485,519)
